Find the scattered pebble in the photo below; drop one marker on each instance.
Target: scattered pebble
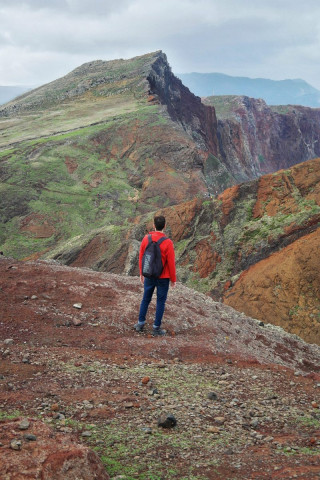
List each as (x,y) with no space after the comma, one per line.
(212,396)
(30,437)
(167,421)
(24,424)
(219,420)
(16,444)
(76,322)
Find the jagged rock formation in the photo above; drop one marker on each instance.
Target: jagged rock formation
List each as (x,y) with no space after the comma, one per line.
(255,139)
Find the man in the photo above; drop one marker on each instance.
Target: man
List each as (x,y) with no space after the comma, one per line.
(162,283)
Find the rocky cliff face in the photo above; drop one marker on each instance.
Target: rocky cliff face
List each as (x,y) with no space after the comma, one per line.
(184,107)
(255,139)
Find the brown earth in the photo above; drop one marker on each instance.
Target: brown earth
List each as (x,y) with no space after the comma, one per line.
(286,281)
(50,455)
(38,226)
(85,372)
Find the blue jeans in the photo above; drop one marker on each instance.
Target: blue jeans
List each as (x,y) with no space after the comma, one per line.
(162,285)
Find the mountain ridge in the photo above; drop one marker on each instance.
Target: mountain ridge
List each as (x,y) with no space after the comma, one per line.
(273,92)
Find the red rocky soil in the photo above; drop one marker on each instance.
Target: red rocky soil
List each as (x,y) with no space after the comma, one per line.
(244,394)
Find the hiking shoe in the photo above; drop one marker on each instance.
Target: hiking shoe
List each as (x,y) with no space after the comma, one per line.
(139,327)
(158,332)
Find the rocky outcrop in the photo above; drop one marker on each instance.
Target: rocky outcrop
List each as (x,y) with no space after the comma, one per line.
(255,139)
(284,288)
(184,107)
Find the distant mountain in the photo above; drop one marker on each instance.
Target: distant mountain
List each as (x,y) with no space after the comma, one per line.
(8,93)
(273,92)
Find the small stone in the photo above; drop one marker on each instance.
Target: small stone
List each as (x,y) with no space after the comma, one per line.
(16,445)
(254,423)
(128,405)
(77,305)
(145,380)
(8,341)
(34,297)
(86,434)
(213,429)
(219,420)
(314,404)
(30,437)
(261,324)
(76,322)
(147,430)
(24,424)
(228,451)
(212,396)
(167,421)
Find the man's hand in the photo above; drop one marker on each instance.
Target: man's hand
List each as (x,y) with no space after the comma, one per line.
(173,284)
(142,279)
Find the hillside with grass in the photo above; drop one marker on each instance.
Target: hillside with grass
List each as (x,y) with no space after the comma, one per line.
(97,148)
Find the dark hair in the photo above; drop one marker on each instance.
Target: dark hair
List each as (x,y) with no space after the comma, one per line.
(159,222)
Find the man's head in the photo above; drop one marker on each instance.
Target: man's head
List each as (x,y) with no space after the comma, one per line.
(159,222)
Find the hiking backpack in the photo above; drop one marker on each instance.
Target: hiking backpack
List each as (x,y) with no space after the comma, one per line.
(151,260)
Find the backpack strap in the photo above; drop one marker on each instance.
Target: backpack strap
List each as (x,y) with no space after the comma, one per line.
(162,239)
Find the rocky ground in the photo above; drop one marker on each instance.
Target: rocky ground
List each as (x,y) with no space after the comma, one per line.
(77,383)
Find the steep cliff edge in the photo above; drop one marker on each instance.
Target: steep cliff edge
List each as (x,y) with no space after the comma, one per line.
(255,139)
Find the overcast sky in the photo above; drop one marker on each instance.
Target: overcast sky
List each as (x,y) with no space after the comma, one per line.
(41,40)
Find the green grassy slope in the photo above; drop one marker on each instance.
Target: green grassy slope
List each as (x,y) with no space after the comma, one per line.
(89,151)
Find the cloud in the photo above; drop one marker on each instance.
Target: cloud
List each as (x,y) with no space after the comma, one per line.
(44,39)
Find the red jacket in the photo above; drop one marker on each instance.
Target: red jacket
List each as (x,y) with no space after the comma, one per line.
(167,254)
